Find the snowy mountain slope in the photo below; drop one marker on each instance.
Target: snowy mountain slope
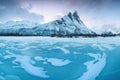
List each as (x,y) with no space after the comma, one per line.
(18,27)
(18,24)
(69,24)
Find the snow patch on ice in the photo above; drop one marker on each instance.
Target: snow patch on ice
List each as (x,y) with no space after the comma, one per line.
(58,62)
(98,46)
(94,68)
(66,51)
(108,46)
(39,58)
(25,64)
(103,47)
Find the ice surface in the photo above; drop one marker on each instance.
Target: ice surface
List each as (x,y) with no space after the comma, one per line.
(11,77)
(46,58)
(2,78)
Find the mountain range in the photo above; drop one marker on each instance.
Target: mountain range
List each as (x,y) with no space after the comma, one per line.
(67,25)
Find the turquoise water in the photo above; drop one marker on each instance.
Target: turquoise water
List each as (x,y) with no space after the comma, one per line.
(44,58)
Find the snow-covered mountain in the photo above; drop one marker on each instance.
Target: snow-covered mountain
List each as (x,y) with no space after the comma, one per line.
(69,24)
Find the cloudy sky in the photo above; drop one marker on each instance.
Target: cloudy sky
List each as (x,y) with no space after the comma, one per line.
(96,14)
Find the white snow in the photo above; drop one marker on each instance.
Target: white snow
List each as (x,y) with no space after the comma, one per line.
(39,58)
(107,46)
(93,69)
(103,47)
(53,61)
(58,62)
(66,51)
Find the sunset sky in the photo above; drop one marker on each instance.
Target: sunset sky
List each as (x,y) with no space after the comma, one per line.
(96,14)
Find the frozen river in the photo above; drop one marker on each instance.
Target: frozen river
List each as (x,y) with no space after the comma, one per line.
(45,58)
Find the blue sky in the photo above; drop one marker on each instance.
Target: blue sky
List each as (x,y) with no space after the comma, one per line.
(96,14)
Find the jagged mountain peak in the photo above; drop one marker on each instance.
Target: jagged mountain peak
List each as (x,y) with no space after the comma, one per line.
(75,14)
(70,15)
(73,17)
